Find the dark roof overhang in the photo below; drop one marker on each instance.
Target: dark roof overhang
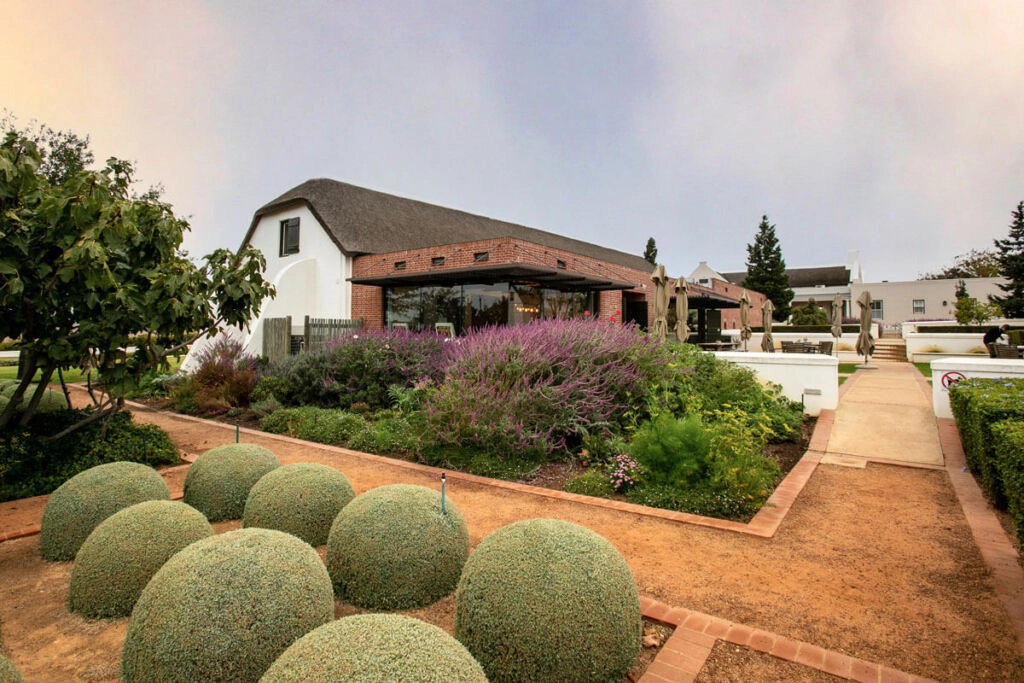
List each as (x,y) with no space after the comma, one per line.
(513,272)
(710,300)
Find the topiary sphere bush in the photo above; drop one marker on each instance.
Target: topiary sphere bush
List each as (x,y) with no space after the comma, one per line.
(546,600)
(226,607)
(391,548)
(8,672)
(123,553)
(88,498)
(219,481)
(302,499)
(376,647)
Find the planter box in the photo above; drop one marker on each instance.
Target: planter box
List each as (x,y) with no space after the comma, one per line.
(947,371)
(808,378)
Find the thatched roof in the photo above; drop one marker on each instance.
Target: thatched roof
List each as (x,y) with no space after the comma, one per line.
(362,221)
(821,276)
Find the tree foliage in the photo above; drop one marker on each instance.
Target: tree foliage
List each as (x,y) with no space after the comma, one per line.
(810,314)
(969,311)
(651,252)
(85,263)
(1010,254)
(975,263)
(766,270)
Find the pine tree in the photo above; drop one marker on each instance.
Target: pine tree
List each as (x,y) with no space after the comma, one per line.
(1010,253)
(651,252)
(766,270)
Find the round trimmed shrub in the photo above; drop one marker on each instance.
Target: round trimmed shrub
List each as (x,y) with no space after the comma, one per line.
(123,553)
(391,548)
(225,607)
(86,499)
(367,648)
(546,600)
(219,481)
(8,672)
(302,499)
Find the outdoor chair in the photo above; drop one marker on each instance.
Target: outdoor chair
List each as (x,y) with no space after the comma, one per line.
(1006,351)
(825,347)
(789,347)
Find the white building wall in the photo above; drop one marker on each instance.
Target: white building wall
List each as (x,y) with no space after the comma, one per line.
(939,297)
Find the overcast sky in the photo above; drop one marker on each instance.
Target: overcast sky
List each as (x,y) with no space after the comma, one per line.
(892,128)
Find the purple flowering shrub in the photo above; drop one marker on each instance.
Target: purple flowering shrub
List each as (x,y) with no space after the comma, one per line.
(359,368)
(540,386)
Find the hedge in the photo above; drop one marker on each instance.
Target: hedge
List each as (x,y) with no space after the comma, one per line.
(977,404)
(219,481)
(1008,444)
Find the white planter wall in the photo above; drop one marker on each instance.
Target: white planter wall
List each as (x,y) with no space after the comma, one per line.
(945,372)
(810,378)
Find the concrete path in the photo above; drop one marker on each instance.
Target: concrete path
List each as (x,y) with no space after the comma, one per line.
(885,414)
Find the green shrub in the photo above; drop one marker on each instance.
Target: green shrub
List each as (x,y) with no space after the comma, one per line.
(977,404)
(704,499)
(368,648)
(88,498)
(593,482)
(302,499)
(225,608)
(385,435)
(546,600)
(1008,444)
(673,452)
(8,672)
(483,461)
(32,464)
(391,548)
(123,553)
(219,481)
(321,425)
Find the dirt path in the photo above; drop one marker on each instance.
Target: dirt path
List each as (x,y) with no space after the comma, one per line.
(877,563)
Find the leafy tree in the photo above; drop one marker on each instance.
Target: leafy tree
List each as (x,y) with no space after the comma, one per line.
(970,311)
(61,153)
(809,314)
(1010,253)
(975,263)
(85,263)
(651,252)
(766,270)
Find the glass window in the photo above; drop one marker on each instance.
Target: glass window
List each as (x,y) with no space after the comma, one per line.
(918,306)
(290,236)
(525,304)
(877,310)
(485,305)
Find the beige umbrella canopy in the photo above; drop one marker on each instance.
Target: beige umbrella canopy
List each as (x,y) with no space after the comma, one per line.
(837,320)
(745,318)
(865,342)
(682,310)
(661,298)
(767,343)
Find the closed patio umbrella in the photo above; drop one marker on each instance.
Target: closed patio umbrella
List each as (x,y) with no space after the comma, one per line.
(865,342)
(837,320)
(661,298)
(682,310)
(745,318)
(767,343)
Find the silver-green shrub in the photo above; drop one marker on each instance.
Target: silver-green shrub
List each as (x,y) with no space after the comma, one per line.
(123,553)
(88,498)
(370,648)
(8,672)
(219,481)
(547,600)
(302,499)
(392,548)
(226,607)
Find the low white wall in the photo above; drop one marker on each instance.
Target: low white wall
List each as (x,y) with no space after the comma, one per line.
(808,377)
(948,371)
(919,343)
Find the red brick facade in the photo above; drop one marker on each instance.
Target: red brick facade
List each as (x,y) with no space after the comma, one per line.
(731,316)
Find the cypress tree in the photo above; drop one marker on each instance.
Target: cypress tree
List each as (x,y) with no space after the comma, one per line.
(766,270)
(1010,254)
(651,252)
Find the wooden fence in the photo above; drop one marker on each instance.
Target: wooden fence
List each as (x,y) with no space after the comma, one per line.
(278,341)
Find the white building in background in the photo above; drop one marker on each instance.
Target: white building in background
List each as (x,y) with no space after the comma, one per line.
(894,303)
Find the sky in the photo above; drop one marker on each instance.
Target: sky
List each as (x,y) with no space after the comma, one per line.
(895,129)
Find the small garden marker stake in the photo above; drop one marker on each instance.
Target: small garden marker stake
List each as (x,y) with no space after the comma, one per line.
(236,432)
(442,495)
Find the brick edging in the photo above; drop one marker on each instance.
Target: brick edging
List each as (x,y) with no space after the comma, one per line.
(684,654)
